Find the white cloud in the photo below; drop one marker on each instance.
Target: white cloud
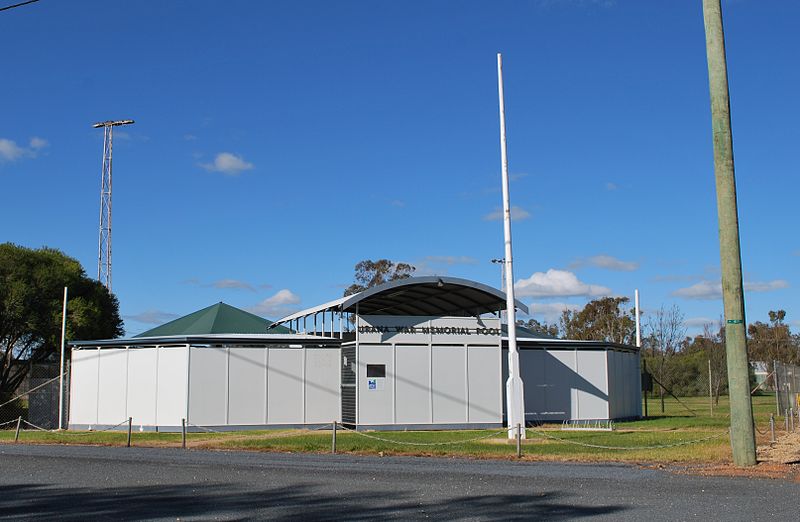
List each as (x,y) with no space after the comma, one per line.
(557,283)
(451,260)
(278,305)
(698,322)
(228,163)
(517,214)
(551,312)
(611,186)
(152,317)
(37,143)
(397,203)
(709,290)
(607,262)
(10,151)
(233,283)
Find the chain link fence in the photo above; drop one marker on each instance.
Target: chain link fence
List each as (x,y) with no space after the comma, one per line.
(787,386)
(35,400)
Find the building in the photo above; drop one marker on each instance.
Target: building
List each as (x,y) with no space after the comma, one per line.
(418,353)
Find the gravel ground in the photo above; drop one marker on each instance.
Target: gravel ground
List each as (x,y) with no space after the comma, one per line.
(80,482)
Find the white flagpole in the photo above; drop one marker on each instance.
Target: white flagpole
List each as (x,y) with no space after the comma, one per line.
(61,375)
(638,326)
(515,396)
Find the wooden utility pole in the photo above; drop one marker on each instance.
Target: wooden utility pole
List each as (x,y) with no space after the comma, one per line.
(742,434)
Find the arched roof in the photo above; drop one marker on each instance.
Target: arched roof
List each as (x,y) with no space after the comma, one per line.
(425,296)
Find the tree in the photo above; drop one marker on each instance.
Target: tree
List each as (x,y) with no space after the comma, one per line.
(545,328)
(773,341)
(31,294)
(711,344)
(373,273)
(667,333)
(600,320)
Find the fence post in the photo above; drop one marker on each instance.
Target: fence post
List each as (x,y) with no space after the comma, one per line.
(519,440)
(786,420)
(333,439)
(19,423)
(772,426)
(130,424)
(183,433)
(791,419)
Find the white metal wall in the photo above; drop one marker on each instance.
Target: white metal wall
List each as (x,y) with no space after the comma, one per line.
(575,384)
(262,386)
(147,384)
(225,386)
(432,376)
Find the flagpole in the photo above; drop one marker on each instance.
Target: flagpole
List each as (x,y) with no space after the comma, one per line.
(515,396)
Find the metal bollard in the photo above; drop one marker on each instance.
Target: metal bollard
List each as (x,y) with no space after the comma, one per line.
(19,424)
(333,439)
(772,427)
(130,424)
(791,420)
(183,433)
(519,441)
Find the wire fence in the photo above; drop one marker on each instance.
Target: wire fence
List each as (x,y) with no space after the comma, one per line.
(36,399)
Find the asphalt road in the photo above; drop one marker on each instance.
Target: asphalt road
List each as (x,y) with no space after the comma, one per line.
(90,483)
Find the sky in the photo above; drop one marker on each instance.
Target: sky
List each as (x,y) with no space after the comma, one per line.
(279,143)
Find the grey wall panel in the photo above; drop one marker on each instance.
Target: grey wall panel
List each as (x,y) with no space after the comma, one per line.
(172,376)
(375,399)
(208,386)
(285,386)
(413,405)
(590,385)
(449,384)
(247,376)
(83,387)
(484,384)
(142,386)
(559,380)
(532,371)
(112,384)
(322,385)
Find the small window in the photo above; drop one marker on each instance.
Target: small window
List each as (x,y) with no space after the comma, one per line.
(376,370)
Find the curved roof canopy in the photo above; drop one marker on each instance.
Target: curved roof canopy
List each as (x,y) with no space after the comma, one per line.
(425,296)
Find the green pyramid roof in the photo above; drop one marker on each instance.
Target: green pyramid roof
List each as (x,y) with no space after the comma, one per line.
(216,319)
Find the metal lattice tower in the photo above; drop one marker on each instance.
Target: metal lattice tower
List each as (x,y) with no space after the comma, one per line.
(104,240)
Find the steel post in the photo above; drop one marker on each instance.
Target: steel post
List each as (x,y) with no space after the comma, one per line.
(19,424)
(333,439)
(130,425)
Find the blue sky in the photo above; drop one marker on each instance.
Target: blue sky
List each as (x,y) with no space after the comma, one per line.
(277,144)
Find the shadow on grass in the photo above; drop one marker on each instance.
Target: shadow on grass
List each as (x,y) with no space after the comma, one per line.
(308,501)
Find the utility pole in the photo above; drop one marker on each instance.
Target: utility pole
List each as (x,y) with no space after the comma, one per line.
(515,395)
(104,240)
(742,434)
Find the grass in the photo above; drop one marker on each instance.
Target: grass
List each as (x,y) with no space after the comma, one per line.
(685,421)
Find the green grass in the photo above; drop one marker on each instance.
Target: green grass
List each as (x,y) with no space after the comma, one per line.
(675,425)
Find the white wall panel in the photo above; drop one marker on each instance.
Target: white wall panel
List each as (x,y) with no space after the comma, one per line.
(322,385)
(590,385)
(142,386)
(485,386)
(449,389)
(246,388)
(375,404)
(412,386)
(285,386)
(83,387)
(112,407)
(172,376)
(208,386)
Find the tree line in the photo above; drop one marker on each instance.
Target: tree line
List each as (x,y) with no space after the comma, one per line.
(681,363)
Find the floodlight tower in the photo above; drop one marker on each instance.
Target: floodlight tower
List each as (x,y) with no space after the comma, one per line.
(104,241)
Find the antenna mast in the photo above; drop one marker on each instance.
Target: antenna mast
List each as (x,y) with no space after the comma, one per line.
(104,240)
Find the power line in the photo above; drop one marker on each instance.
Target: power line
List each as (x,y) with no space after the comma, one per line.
(6,8)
